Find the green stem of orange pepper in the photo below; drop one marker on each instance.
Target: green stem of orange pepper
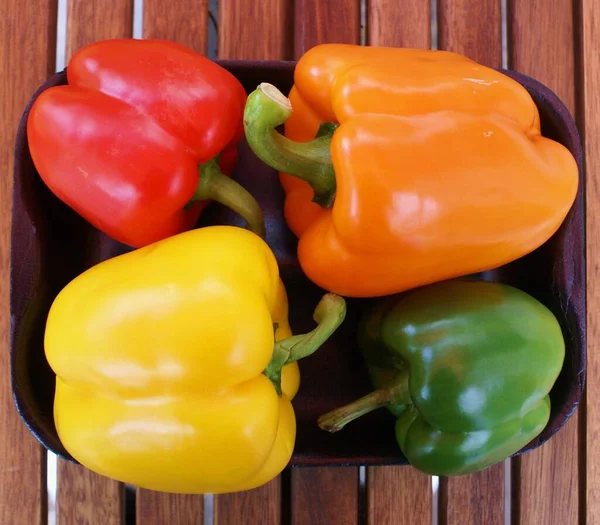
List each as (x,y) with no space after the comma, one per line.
(266,109)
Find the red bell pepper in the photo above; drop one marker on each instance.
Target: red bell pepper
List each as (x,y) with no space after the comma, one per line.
(124,142)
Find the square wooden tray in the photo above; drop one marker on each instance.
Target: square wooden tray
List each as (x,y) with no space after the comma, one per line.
(51,244)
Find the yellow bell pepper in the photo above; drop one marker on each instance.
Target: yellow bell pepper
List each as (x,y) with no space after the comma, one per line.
(176,365)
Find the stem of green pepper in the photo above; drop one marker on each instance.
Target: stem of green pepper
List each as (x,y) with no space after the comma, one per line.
(214,185)
(329,315)
(340,417)
(267,108)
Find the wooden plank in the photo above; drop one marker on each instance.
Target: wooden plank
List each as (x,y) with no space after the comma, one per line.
(589,20)
(542,45)
(238,23)
(27,44)
(318,22)
(260,505)
(85,498)
(475,499)
(153,508)
(399,24)
(185,22)
(398,491)
(546,484)
(238,39)
(91,21)
(472,28)
(324,496)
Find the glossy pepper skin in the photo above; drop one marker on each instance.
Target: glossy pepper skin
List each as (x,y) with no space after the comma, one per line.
(123,143)
(426,166)
(167,370)
(465,366)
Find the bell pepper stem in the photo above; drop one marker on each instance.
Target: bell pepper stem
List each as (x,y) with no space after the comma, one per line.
(267,108)
(338,418)
(329,315)
(215,185)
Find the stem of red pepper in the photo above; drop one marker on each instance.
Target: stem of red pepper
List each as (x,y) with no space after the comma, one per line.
(329,315)
(267,108)
(340,417)
(214,185)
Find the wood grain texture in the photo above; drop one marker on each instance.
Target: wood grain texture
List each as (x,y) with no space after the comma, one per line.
(154,508)
(91,21)
(27,57)
(398,491)
(472,28)
(255,30)
(542,46)
(590,125)
(85,498)
(184,21)
(546,482)
(260,505)
(475,499)
(319,22)
(324,496)
(239,39)
(399,24)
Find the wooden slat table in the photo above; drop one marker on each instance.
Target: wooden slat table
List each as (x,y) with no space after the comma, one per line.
(556,41)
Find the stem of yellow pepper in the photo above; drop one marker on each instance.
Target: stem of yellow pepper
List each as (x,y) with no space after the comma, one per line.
(338,418)
(267,108)
(329,315)
(215,185)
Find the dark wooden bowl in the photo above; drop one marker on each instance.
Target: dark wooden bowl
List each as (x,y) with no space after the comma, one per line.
(51,245)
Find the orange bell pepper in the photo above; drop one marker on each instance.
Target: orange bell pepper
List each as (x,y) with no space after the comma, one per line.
(405,167)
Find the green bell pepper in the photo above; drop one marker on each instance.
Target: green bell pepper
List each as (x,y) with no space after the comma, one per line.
(465,366)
